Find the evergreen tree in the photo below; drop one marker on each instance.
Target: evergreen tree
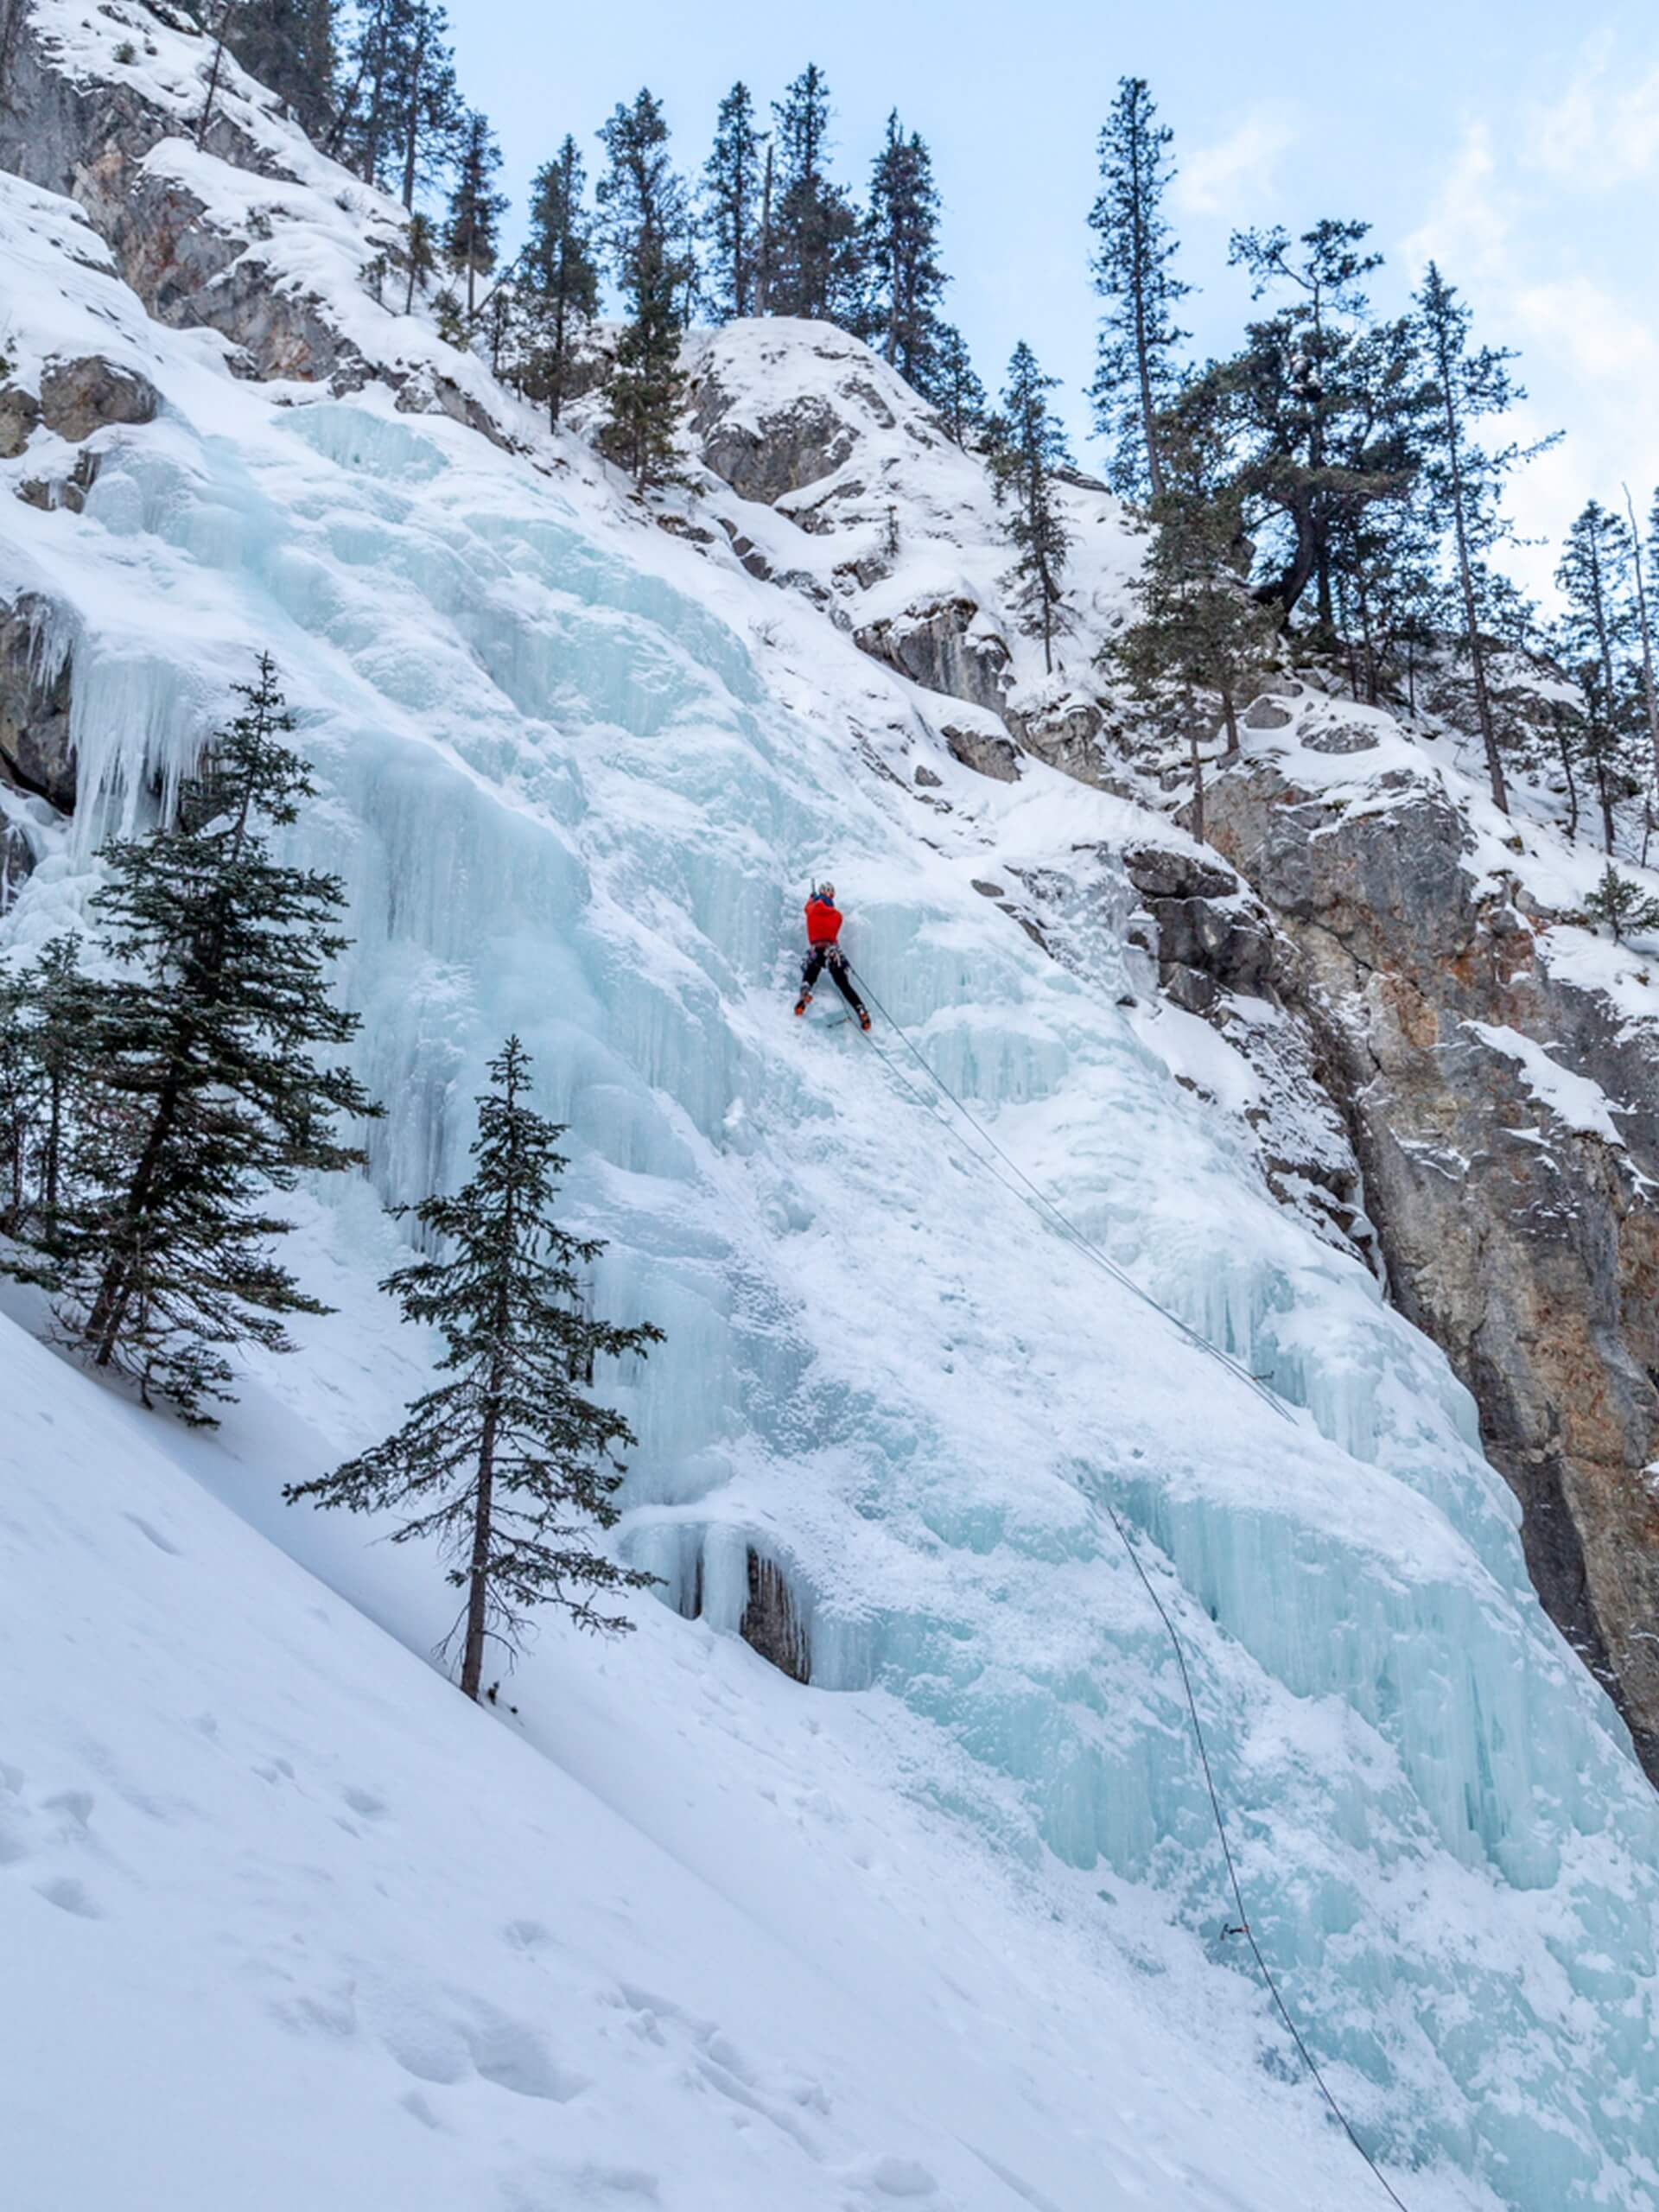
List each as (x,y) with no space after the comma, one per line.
(1134,273)
(558,277)
(1330,405)
(1623,906)
(645,216)
(206,1096)
(507,1463)
(363,120)
(1464,481)
(1027,445)
(1199,631)
(420,255)
(472,234)
(953,388)
(292,46)
(428,116)
(20,1101)
(1598,631)
(1645,627)
(733,179)
(401,117)
(813,257)
(901,233)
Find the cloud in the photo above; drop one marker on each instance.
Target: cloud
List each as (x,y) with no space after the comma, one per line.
(1469,224)
(1599,133)
(1236,169)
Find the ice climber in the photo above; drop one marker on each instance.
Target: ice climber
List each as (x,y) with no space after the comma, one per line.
(822,928)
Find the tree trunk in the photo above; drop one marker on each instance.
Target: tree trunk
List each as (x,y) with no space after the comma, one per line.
(114,1286)
(1143,359)
(1566,751)
(412,121)
(478,1572)
(1197,760)
(1466,585)
(213,74)
(1650,698)
(763,272)
(1229,716)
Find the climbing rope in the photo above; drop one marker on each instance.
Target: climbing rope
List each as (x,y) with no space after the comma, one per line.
(1243,1928)
(1119,1275)
(1054,1216)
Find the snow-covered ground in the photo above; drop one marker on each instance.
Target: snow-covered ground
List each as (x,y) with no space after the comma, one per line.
(297,1925)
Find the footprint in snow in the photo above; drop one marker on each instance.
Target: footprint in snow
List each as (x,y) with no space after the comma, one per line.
(70,1897)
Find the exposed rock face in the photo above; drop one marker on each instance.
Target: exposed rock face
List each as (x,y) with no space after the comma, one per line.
(1524,1243)
(771,1623)
(78,398)
(89,142)
(937,645)
(34,753)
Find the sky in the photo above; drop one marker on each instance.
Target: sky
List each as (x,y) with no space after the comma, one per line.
(1517,143)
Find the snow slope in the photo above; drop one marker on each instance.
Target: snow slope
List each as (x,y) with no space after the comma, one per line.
(957,1905)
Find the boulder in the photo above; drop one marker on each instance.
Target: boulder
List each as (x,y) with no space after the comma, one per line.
(991,756)
(78,398)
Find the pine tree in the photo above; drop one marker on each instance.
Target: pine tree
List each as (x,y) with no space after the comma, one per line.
(558,278)
(20,1092)
(507,1463)
(292,46)
(901,234)
(472,234)
(1598,631)
(1199,631)
(953,388)
(1134,274)
(401,117)
(420,255)
(1330,406)
(733,179)
(1027,445)
(205,1095)
(1623,905)
(1463,481)
(645,216)
(1645,626)
(813,254)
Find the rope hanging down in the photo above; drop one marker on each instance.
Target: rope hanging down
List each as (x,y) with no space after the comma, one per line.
(1067,1226)
(1120,1275)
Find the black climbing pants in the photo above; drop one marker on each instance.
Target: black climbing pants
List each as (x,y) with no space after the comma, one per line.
(830,957)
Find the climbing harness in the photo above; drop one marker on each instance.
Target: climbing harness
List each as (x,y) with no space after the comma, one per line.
(1052,1214)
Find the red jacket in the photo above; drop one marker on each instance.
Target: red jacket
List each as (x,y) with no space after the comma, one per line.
(823,922)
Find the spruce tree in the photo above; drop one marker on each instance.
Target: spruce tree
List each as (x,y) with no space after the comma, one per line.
(206,1096)
(21,1093)
(558,279)
(1598,631)
(362,131)
(420,254)
(953,388)
(1198,633)
(901,234)
(1623,906)
(1464,481)
(505,1463)
(1134,273)
(472,233)
(645,214)
(400,116)
(1027,445)
(733,179)
(813,254)
(292,46)
(1644,629)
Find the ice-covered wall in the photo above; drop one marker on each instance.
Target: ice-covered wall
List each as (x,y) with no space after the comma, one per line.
(577,780)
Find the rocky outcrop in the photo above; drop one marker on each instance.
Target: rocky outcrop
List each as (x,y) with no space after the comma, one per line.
(1515,1215)
(88,139)
(78,398)
(34,754)
(944,645)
